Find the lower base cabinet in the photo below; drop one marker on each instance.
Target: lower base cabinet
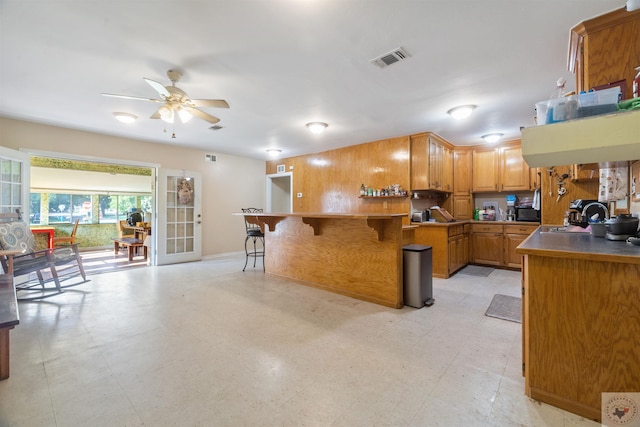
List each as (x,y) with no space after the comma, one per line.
(450,246)
(495,244)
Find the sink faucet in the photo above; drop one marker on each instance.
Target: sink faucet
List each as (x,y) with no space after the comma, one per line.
(606,211)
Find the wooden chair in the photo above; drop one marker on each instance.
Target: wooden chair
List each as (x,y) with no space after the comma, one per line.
(67,240)
(15,235)
(124,231)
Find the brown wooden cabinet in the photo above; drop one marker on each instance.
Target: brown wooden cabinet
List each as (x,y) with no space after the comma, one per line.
(449,246)
(586,172)
(513,236)
(535,178)
(458,247)
(495,244)
(485,170)
(462,205)
(604,51)
(487,244)
(500,169)
(431,163)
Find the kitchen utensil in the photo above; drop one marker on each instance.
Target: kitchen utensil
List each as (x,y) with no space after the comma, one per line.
(598,229)
(634,241)
(623,224)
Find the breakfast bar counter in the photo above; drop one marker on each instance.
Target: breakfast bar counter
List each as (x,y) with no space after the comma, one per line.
(358,255)
(581,319)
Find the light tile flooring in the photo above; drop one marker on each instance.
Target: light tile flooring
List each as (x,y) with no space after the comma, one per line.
(204,344)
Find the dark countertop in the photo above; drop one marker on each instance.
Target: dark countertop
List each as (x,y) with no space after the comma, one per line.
(469,221)
(579,246)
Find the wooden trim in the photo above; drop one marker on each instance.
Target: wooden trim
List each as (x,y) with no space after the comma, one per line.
(566,404)
(607,20)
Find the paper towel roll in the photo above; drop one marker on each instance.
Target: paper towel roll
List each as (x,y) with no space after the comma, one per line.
(633,5)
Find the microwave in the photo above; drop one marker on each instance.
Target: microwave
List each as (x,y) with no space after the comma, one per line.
(527,214)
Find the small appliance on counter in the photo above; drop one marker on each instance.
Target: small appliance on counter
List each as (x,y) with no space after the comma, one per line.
(421,216)
(621,227)
(581,211)
(527,214)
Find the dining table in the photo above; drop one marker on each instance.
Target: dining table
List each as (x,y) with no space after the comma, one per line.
(50,231)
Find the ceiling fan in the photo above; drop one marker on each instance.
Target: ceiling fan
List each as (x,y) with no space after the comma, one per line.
(176,102)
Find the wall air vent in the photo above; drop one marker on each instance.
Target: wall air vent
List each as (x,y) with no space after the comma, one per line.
(215,127)
(210,158)
(396,55)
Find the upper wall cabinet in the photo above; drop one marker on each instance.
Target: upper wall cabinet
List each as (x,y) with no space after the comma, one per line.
(500,169)
(604,51)
(431,163)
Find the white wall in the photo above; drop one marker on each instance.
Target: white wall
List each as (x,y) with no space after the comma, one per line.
(229,184)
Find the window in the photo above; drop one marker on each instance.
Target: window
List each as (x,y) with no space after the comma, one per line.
(66,208)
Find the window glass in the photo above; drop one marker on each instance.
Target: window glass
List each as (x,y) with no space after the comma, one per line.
(34,208)
(59,208)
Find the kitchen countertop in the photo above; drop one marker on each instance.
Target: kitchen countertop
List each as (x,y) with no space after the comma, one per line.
(581,246)
(469,221)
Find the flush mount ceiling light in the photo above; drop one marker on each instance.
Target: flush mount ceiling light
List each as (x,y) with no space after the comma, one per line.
(492,137)
(316,127)
(125,117)
(461,112)
(274,151)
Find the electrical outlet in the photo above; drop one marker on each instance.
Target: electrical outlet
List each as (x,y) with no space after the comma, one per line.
(299,195)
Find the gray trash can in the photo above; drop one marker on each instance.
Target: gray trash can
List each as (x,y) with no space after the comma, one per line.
(417,270)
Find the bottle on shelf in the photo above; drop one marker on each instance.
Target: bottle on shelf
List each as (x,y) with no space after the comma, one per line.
(363,190)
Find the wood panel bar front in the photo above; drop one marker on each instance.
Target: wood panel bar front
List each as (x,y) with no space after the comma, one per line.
(357,255)
(581,323)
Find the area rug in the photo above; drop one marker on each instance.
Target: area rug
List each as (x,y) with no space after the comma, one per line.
(476,270)
(505,307)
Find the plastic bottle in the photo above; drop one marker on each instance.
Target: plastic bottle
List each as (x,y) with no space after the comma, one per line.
(636,84)
(556,112)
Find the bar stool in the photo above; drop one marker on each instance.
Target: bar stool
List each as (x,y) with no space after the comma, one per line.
(255,234)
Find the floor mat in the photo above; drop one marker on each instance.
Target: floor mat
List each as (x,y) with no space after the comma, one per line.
(476,270)
(505,307)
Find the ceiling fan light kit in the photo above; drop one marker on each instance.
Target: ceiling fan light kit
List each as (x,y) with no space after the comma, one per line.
(176,102)
(316,127)
(461,112)
(125,117)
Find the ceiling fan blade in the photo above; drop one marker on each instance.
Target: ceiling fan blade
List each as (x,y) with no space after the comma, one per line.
(214,103)
(204,116)
(159,87)
(132,97)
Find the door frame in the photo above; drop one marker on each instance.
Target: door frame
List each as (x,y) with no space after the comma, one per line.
(78,157)
(269,184)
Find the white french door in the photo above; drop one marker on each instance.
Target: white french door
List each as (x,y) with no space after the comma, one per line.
(14,181)
(179,223)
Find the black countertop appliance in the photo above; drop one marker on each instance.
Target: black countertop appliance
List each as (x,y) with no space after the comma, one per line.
(581,210)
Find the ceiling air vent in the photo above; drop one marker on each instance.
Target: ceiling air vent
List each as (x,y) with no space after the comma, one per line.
(396,55)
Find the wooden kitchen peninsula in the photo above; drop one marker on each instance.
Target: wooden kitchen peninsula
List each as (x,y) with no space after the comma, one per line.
(358,255)
(581,320)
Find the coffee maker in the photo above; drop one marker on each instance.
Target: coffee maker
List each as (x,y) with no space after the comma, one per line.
(581,211)
(511,210)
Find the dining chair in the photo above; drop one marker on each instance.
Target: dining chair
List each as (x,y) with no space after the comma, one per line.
(67,240)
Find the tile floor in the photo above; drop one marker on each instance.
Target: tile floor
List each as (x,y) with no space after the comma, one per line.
(204,344)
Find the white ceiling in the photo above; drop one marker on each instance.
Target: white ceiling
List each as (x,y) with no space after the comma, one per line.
(283,63)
